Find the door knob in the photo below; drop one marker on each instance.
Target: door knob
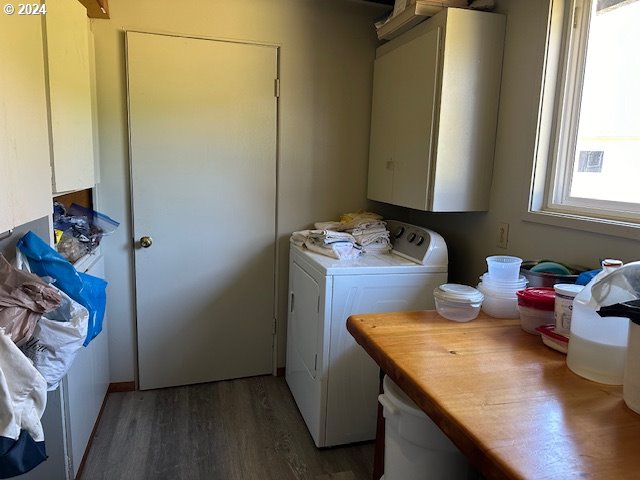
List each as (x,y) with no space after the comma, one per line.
(146,242)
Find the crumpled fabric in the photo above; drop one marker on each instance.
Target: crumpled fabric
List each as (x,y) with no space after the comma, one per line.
(24,297)
(23,397)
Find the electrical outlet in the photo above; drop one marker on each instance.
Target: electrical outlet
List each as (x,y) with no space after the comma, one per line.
(503,235)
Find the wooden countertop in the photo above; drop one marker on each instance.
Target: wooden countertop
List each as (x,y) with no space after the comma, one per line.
(505,399)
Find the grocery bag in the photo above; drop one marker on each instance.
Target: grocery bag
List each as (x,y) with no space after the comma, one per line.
(23,298)
(87,290)
(57,339)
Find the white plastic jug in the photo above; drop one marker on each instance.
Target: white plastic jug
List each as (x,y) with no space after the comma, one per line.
(631,387)
(597,345)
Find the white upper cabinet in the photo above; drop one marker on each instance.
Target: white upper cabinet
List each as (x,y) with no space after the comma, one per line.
(434,113)
(70,98)
(25,174)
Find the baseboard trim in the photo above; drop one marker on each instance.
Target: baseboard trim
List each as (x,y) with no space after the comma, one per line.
(119,387)
(93,434)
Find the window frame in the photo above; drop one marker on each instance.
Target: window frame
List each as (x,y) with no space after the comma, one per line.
(548,200)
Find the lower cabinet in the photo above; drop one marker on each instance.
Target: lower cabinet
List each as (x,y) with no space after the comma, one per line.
(87,382)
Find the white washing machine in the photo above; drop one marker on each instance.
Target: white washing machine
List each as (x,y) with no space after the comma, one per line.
(334,382)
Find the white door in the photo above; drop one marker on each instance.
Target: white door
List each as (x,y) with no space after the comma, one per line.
(202,120)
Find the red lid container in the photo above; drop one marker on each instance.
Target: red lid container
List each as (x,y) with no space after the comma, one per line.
(540,298)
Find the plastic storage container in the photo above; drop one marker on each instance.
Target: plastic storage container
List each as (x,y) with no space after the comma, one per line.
(499,303)
(597,346)
(460,303)
(504,267)
(562,312)
(415,448)
(536,306)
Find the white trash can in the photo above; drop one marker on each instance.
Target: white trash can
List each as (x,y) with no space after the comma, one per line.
(415,448)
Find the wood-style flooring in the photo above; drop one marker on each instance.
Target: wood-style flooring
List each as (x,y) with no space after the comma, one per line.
(240,429)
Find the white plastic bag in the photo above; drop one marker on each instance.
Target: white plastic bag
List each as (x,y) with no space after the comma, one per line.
(57,338)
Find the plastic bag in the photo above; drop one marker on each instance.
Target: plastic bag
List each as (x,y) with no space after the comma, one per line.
(57,338)
(81,229)
(23,299)
(87,290)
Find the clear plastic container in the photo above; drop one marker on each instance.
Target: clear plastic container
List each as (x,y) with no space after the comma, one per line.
(460,303)
(535,306)
(499,304)
(510,286)
(504,267)
(532,318)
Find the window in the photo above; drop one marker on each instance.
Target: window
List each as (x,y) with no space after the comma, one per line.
(588,164)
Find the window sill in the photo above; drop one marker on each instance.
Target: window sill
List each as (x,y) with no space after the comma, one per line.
(586,224)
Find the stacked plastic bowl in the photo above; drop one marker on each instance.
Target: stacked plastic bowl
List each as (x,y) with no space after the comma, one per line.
(500,284)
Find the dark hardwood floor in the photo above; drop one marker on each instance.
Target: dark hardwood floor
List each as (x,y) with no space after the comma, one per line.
(240,429)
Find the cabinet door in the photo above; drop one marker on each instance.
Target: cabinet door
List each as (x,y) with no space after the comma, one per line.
(25,175)
(305,318)
(403,120)
(384,115)
(304,331)
(67,44)
(86,385)
(417,97)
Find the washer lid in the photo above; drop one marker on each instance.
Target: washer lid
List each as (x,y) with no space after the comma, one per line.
(455,292)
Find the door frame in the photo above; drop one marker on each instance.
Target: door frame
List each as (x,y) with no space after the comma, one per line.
(132,245)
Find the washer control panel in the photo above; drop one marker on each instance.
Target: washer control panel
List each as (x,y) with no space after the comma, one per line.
(410,241)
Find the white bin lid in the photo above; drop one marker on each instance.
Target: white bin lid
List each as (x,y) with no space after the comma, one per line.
(400,399)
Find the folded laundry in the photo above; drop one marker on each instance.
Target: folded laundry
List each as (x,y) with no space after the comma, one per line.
(365,239)
(339,250)
(330,236)
(366,229)
(334,244)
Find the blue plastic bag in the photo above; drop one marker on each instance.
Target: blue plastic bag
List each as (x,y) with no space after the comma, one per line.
(87,290)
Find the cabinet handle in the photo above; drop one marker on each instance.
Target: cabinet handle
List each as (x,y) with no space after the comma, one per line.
(291,302)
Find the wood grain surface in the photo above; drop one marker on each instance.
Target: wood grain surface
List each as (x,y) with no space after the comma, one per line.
(233,430)
(504,398)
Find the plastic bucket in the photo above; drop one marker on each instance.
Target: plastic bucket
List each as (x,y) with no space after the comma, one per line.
(415,448)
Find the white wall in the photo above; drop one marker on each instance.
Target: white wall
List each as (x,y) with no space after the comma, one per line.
(327,50)
(472,236)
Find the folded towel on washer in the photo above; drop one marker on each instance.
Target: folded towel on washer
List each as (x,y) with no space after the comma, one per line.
(338,245)
(339,250)
(376,247)
(320,237)
(329,236)
(365,239)
(298,238)
(366,229)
